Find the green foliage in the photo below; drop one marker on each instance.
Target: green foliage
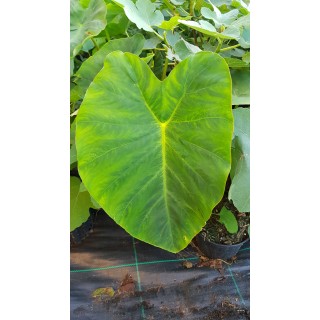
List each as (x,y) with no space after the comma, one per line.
(85,23)
(227,218)
(143,145)
(240,86)
(167,36)
(80,202)
(219,18)
(90,68)
(143,13)
(239,191)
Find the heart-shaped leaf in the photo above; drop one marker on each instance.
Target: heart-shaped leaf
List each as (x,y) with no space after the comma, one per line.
(156,155)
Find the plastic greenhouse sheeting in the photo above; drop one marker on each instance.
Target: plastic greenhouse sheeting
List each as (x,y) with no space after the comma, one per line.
(140,281)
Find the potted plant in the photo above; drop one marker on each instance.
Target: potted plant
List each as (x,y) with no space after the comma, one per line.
(152,103)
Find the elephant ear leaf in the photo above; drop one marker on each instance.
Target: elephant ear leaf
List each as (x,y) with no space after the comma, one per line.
(156,154)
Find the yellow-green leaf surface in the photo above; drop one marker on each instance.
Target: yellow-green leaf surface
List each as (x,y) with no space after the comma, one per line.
(156,154)
(80,202)
(94,64)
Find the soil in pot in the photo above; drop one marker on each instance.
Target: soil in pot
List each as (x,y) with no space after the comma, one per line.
(214,241)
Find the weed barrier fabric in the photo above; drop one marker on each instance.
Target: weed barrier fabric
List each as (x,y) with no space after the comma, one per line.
(162,287)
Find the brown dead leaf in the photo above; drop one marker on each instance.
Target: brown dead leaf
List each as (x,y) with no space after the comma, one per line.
(127,285)
(211,263)
(187,264)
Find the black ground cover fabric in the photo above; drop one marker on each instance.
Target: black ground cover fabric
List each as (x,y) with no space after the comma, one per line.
(162,288)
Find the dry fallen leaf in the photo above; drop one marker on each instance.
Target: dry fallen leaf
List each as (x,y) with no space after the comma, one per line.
(127,285)
(187,264)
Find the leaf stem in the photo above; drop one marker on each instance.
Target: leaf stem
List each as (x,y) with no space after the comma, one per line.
(95,43)
(230,48)
(107,35)
(191,7)
(219,45)
(170,6)
(164,71)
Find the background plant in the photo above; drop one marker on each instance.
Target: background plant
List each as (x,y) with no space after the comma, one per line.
(164,33)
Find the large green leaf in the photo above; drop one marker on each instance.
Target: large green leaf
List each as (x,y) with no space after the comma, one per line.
(239,191)
(80,202)
(156,155)
(94,64)
(143,13)
(85,23)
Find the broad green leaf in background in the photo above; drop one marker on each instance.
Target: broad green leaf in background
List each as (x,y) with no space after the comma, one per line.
(239,191)
(228,219)
(198,5)
(85,23)
(243,25)
(172,38)
(236,63)
(94,64)
(117,20)
(184,49)
(143,13)
(240,86)
(219,18)
(73,156)
(156,154)
(80,202)
(241,5)
(206,28)
(246,57)
(151,43)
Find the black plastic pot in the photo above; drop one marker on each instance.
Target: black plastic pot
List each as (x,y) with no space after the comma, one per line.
(80,233)
(216,250)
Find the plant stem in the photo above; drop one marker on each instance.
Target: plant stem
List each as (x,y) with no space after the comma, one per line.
(164,71)
(191,7)
(158,35)
(230,48)
(170,6)
(95,43)
(195,37)
(107,35)
(219,45)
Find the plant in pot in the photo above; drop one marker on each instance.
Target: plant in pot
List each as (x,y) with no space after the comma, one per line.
(229,225)
(154,150)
